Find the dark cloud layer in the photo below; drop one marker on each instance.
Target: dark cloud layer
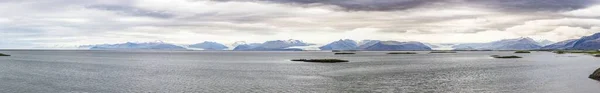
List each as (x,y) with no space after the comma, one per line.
(395,5)
(356,5)
(534,5)
(128,10)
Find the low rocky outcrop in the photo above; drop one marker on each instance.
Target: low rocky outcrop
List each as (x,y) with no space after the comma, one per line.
(522,52)
(321,60)
(344,53)
(504,57)
(595,75)
(392,53)
(442,52)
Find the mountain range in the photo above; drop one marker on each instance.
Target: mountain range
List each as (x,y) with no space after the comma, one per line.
(374,45)
(158,45)
(506,44)
(207,45)
(584,43)
(275,45)
(345,44)
(396,46)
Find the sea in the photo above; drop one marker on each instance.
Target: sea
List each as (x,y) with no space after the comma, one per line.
(77,71)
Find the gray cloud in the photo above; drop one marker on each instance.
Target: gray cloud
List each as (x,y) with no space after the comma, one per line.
(395,5)
(74,22)
(534,5)
(356,5)
(128,10)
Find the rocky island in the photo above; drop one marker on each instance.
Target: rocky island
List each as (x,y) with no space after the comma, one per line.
(522,52)
(442,52)
(344,53)
(402,53)
(4,54)
(498,56)
(321,60)
(595,75)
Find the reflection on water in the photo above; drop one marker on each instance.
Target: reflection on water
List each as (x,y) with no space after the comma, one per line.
(196,71)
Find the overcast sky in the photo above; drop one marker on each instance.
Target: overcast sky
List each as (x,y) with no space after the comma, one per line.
(47,23)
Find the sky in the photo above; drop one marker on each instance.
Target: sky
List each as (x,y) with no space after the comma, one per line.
(58,23)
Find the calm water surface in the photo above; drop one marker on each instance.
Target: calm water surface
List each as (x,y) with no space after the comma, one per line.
(197,71)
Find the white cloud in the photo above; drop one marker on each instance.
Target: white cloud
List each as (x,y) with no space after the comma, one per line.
(32,23)
(593,11)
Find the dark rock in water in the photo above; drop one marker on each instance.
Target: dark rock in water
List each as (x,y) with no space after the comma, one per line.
(321,60)
(344,50)
(597,55)
(595,75)
(560,52)
(4,54)
(522,52)
(402,53)
(344,53)
(498,56)
(442,52)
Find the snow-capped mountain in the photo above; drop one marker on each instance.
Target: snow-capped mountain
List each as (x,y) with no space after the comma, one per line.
(585,43)
(276,45)
(281,44)
(237,43)
(545,42)
(345,44)
(561,45)
(506,44)
(310,47)
(366,43)
(159,45)
(207,45)
(245,46)
(440,46)
(396,46)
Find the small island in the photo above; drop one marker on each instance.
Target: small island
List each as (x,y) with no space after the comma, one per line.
(442,52)
(560,52)
(4,54)
(522,52)
(321,60)
(393,53)
(498,56)
(344,53)
(595,75)
(344,50)
(594,53)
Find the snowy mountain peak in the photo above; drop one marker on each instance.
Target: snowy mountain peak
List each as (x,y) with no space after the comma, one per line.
(521,39)
(209,45)
(136,46)
(396,46)
(544,42)
(237,43)
(584,43)
(342,44)
(523,43)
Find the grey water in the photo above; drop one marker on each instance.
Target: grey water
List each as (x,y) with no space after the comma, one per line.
(229,71)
